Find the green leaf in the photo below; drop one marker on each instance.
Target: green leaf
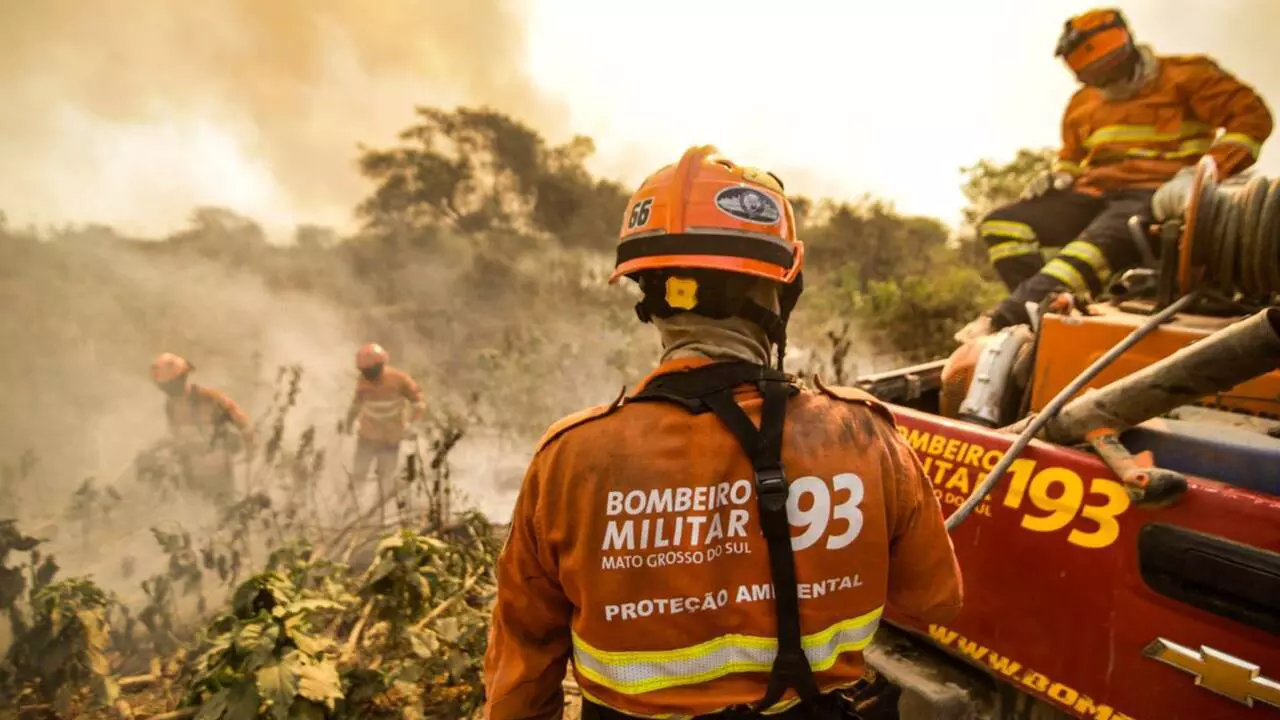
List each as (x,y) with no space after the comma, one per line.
(277,685)
(447,629)
(424,645)
(243,702)
(213,655)
(249,637)
(420,582)
(319,682)
(214,707)
(389,543)
(306,642)
(258,640)
(298,607)
(384,568)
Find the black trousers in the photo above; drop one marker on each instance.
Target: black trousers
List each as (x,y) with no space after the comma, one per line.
(1092,231)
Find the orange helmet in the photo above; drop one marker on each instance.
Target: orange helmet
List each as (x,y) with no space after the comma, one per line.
(168,367)
(371,355)
(1098,47)
(697,233)
(706,212)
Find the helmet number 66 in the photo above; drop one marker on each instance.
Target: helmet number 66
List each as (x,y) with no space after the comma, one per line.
(640,214)
(812,494)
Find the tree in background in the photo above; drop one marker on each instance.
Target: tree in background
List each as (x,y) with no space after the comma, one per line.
(478,170)
(884,284)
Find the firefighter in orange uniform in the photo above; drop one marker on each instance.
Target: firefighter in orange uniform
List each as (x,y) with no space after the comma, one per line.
(650,533)
(386,401)
(207,426)
(1139,122)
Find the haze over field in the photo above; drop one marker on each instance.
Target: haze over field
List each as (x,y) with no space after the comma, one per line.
(132,112)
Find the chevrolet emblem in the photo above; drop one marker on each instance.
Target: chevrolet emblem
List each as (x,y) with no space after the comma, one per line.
(1218,672)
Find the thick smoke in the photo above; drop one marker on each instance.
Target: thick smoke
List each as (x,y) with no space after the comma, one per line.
(130,112)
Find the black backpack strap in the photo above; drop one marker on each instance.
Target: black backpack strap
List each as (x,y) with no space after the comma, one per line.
(764,447)
(711,388)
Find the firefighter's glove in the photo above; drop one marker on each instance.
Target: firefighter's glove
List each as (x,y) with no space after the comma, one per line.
(1046,181)
(1170,199)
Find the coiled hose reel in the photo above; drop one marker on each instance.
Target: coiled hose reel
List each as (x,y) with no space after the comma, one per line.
(1230,240)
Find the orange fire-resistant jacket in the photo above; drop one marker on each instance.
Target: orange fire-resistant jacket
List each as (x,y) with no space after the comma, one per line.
(197,417)
(385,406)
(636,550)
(1143,141)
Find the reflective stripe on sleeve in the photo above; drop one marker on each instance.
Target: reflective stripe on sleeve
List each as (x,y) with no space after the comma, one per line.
(1067,166)
(1253,146)
(636,672)
(1089,254)
(1013,248)
(1007,228)
(1062,271)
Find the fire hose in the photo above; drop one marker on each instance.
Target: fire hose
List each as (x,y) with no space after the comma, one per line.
(1231,236)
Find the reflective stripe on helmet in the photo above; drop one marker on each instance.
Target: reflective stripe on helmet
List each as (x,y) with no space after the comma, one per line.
(636,672)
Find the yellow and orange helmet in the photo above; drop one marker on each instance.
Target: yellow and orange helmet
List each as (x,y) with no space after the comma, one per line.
(371,355)
(167,367)
(708,213)
(697,235)
(1098,47)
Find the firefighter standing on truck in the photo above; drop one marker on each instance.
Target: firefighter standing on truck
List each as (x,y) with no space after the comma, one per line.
(1140,121)
(386,402)
(650,534)
(208,428)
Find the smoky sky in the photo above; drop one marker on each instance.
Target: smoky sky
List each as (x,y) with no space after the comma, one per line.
(127,111)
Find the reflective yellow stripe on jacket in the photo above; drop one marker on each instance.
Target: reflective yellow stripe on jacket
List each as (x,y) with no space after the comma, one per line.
(636,672)
(1144,134)
(383,409)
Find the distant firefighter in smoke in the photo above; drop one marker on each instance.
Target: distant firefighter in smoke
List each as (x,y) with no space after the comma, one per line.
(208,428)
(387,402)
